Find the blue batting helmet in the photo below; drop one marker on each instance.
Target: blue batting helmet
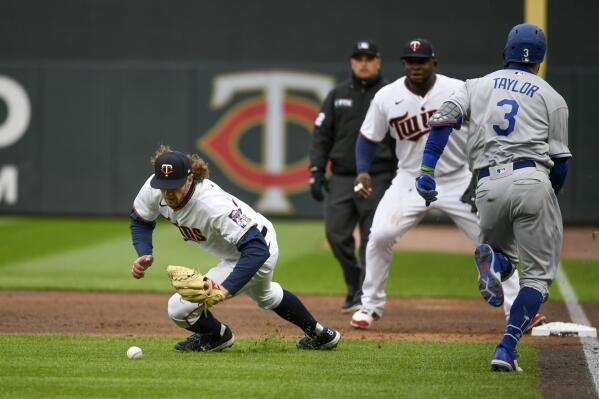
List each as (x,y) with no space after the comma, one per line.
(525,44)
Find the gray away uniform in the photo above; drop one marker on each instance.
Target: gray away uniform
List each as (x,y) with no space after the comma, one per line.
(516,116)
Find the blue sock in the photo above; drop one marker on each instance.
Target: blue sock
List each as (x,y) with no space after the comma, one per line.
(293,310)
(525,307)
(503,265)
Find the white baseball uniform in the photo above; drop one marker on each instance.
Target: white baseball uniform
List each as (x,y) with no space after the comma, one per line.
(215,221)
(405,115)
(517,116)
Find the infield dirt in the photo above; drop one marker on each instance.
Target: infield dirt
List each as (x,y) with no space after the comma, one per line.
(562,365)
(561,361)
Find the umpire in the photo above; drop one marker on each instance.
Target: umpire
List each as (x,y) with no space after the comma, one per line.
(335,133)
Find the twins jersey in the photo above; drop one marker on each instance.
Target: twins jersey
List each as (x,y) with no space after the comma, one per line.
(212,218)
(405,115)
(513,115)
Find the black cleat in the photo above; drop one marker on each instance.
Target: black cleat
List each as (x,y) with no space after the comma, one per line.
(193,341)
(351,305)
(327,339)
(207,343)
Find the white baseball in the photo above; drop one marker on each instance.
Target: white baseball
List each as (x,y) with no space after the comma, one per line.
(358,187)
(134,353)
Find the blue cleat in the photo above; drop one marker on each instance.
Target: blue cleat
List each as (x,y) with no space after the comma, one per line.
(504,360)
(489,280)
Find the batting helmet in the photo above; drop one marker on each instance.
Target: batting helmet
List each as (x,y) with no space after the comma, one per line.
(525,44)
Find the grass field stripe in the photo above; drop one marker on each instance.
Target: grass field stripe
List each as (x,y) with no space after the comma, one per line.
(590,346)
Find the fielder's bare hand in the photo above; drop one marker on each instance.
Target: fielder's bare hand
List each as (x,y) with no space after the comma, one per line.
(138,270)
(363,185)
(210,284)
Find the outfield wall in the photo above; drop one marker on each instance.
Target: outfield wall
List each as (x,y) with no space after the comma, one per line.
(89,88)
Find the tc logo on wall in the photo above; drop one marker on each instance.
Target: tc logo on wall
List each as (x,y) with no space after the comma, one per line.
(12,128)
(273,109)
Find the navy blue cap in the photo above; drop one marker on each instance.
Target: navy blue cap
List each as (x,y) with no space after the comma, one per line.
(171,170)
(365,47)
(418,48)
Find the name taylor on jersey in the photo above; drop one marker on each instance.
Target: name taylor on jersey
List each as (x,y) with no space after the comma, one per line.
(412,127)
(515,86)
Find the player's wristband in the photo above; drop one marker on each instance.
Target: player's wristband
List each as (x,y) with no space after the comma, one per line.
(427,170)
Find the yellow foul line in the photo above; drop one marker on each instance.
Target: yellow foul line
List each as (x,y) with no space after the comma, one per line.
(535,12)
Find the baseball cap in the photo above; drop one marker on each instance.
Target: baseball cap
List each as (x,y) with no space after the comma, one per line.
(170,170)
(365,47)
(418,48)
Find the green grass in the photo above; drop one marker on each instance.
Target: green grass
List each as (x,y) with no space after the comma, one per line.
(27,238)
(584,277)
(412,274)
(96,254)
(96,367)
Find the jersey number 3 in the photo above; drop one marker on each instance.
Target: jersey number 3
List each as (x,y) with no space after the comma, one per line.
(509,116)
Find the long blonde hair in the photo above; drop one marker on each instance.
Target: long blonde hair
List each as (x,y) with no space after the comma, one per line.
(199,167)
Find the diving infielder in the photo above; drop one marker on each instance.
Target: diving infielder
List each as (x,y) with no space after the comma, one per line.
(517,142)
(404,108)
(223,225)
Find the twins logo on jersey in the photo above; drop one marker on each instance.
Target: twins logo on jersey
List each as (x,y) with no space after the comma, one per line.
(238,217)
(412,128)
(191,233)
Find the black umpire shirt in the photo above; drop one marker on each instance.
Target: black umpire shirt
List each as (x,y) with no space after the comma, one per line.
(337,127)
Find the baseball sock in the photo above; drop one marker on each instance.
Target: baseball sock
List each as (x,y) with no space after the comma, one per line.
(504,264)
(294,311)
(525,307)
(206,324)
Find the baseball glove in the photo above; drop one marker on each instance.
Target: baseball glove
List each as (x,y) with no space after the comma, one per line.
(193,286)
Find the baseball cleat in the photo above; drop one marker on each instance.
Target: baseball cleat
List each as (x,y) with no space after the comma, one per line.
(207,343)
(489,281)
(327,339)
(363,318)
(503,360)
(191,342)
(351,305)
(536,321)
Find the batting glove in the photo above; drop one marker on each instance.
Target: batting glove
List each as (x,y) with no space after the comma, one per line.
(425,185)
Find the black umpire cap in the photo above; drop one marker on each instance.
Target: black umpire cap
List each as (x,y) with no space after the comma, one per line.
(418,48)
(365,47)
(171,170)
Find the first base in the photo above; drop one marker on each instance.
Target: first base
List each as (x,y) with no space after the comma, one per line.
(559,329)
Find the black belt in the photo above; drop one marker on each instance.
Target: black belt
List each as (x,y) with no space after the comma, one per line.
(264,231)
(525,163)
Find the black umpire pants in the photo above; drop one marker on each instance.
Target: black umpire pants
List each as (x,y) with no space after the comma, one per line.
(343,210)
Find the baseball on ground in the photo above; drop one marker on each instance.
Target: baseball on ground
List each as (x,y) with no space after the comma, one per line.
(134,353)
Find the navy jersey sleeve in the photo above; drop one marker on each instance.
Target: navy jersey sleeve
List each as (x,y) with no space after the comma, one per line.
(254,252)
(141,234)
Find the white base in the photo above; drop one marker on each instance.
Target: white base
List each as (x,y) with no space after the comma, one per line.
(560,329)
